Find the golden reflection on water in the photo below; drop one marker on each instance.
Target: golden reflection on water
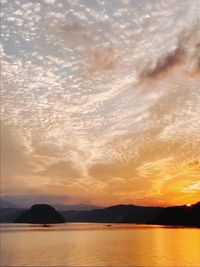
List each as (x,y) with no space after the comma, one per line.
(99,245)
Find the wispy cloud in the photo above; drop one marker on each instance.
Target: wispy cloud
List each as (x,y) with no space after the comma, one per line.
(186,52)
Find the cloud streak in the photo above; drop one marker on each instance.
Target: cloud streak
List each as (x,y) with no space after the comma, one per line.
(186,53)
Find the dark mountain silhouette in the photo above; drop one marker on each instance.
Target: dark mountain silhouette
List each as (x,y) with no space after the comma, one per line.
(9,211)
(114,214)
(41,214)
(75,207)
(9,215)
(4,204)
(179,215)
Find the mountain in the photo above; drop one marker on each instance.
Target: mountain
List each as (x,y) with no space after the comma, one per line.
(7,204)
(179,215)
(8,211)
(114,214)
(75,207)
(9,215)
(40,214)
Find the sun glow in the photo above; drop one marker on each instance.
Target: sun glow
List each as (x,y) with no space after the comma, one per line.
(189,205)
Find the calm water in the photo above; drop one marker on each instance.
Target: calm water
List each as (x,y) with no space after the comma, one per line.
(99,245)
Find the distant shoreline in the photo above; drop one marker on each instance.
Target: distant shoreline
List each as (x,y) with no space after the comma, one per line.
(176,216)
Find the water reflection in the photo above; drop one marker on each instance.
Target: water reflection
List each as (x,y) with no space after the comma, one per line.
(99,245)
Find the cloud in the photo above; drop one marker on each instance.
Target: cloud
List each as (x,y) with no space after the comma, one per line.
(164,64)
(193,187)
(30,199)
(75,35)
(15,161)
(77,121)
(62,171)
(85,39)
(101,60)
(50,1)
(23,170)
(185,53)
(172,178)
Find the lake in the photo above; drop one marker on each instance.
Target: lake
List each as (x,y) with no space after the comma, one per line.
(90,244)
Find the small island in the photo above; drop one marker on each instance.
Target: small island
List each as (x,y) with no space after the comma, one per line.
(40,214)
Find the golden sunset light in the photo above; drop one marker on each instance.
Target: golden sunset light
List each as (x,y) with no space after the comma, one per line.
(100,133)
(101,102)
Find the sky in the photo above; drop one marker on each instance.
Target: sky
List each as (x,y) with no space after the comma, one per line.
(100,102)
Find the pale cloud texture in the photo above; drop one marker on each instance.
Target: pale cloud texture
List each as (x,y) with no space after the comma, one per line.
(100,101)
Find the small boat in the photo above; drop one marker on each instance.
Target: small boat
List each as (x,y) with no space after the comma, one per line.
(46,225)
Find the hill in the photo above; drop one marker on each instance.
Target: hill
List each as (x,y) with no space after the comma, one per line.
(177,215)
(40,214)
(114,214)
(9,215)
(75,207)
(4,204)
(180,215)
